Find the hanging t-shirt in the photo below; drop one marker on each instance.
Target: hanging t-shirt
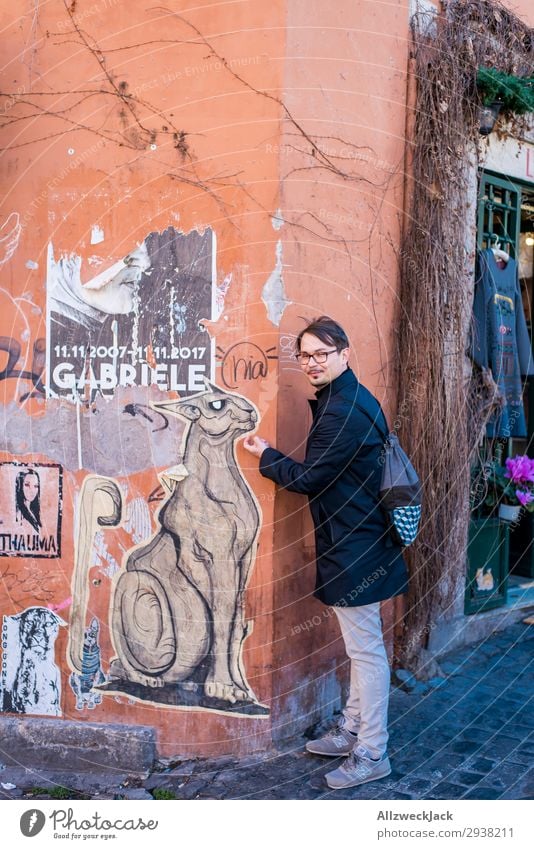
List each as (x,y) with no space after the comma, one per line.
(500,339)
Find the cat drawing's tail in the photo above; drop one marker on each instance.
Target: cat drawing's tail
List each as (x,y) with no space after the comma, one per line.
(99,506)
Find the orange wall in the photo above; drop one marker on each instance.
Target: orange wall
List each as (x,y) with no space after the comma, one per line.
(345,83)
(522,8)
(265,176)
(94,162)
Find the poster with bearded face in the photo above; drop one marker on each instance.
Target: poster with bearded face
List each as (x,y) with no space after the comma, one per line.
(135,324)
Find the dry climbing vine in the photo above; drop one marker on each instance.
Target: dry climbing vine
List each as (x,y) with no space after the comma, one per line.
(443,405)
(135,123)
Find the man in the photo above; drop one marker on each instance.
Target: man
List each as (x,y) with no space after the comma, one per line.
(358,565)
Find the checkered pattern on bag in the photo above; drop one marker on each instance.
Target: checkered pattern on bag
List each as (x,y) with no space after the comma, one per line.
(406,522)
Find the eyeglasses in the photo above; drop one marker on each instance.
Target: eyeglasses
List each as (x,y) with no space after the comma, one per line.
(319,357)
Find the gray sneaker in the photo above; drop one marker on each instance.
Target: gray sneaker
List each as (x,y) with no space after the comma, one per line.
(358,768)
(336,742)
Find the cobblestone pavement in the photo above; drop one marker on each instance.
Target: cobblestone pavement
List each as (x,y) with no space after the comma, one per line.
(471,736)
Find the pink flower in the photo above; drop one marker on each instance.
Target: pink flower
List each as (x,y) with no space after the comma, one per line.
(520,469)
(524,498)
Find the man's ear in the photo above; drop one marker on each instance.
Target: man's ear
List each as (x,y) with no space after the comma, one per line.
(345,353)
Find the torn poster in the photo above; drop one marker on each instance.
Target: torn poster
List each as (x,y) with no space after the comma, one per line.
(136,324)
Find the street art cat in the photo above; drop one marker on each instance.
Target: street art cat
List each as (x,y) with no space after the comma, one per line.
(177,618)
(178,607)
(91,674)
(31,681)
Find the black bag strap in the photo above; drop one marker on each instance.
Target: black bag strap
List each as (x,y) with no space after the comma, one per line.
(383,434)
(374,495)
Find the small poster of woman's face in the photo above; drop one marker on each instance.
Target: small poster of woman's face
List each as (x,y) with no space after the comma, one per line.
(30,509)
(27,498)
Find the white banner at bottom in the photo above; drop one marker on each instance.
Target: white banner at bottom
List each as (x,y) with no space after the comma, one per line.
(223,824)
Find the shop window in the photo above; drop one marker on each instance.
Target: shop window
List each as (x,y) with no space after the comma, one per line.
(505,217)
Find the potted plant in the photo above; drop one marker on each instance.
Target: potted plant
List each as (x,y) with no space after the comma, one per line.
(511,487)
(498,92)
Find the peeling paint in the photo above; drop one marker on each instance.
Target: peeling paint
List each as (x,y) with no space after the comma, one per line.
(273,293)
(32,265)
(220,295)
(101,557)
(115,442)
(138,523)
(9,237)
(277,220)
(97,234)
(180,311)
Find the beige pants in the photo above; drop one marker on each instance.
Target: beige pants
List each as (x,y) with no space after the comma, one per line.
(366,711)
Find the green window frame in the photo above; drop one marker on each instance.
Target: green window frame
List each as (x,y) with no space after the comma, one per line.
(499,213)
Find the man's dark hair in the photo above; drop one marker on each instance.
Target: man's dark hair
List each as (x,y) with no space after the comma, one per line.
(327,330)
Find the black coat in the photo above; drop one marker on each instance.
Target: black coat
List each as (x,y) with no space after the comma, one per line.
(357,563)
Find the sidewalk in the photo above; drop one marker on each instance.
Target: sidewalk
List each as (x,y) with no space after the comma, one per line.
(470,737)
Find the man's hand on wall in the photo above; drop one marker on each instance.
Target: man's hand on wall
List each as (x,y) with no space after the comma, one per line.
(256,445)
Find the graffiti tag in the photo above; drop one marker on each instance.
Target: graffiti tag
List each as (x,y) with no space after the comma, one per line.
(244,361)
(12,348)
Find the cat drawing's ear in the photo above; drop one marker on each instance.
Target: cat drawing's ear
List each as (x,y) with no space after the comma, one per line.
(212,387)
